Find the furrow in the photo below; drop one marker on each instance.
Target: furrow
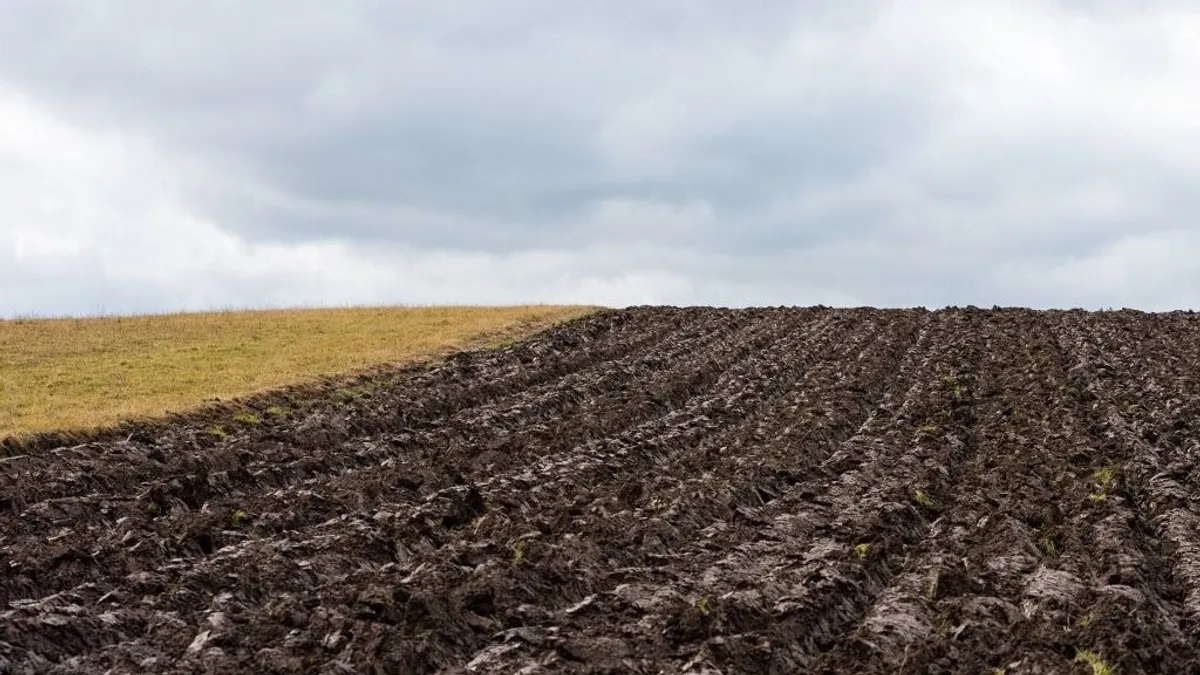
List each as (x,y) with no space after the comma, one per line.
(651,533)
(651,490)
(649,593)
(418,400)
(90,529)
(1143,397)
(737,349)
(1023,550)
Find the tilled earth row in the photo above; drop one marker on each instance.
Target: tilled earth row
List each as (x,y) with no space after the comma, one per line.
(649,490)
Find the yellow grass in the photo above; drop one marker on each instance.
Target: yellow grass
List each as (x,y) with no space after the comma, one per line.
(59,374)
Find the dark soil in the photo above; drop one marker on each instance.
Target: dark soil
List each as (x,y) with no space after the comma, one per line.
(647,490)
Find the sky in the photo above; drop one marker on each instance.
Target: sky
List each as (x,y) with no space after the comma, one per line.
(159,156)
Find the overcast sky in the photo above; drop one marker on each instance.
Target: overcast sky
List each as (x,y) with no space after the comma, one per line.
(157,155)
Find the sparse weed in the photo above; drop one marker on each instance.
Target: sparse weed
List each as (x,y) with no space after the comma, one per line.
(279,412)
(218,431)
(951,384)
(931,588)
(922,497)
(944,626)
(359,391)
(1104,476)
(518,550)
(1096,661)
(248,417)
(862,551)
(1084,621)
(927,430)
(1103,479)
(1049,546)
(703,605)
(238,517)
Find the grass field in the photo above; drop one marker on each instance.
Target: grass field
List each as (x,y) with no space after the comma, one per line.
(81,373)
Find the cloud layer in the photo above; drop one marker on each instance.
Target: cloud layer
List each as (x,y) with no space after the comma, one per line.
(161,156)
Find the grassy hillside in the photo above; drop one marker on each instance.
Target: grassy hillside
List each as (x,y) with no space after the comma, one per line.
(79,373)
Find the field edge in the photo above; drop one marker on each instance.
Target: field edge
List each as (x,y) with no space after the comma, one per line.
(215,411)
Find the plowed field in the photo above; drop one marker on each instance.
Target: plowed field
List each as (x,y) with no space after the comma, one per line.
(649,490)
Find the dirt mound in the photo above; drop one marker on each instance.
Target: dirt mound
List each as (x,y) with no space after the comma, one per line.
(649,490)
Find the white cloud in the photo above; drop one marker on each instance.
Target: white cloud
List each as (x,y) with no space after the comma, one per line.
(99,221)
(922,153)
(1156,268)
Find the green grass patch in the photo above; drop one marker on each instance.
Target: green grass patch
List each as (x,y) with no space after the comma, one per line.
(1096,661)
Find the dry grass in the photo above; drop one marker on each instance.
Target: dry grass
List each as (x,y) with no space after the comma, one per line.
(58,374)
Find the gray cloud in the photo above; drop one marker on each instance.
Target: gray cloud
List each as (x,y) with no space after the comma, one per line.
(216,154)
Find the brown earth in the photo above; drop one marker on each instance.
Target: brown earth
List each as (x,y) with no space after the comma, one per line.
(648,490)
